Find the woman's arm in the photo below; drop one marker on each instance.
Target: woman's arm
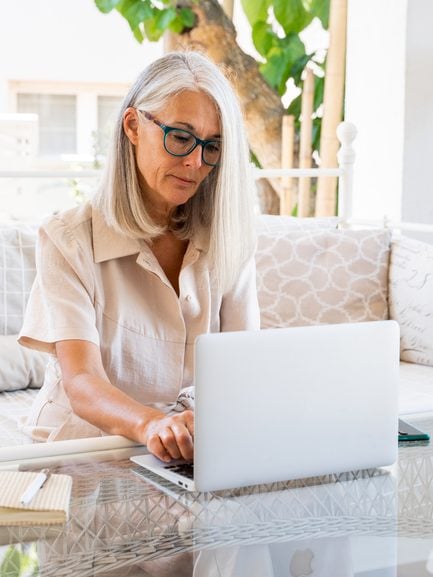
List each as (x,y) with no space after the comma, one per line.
(96,400)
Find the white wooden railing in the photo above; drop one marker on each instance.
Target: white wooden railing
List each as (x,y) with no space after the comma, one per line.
(346,133)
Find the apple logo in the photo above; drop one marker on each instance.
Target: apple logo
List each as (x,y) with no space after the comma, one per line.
(300,564)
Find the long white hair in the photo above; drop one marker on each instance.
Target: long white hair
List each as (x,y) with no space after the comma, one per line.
(221,211)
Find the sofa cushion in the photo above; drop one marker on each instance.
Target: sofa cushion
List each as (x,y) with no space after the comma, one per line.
(322,276)
(416,388)
(20,367)
(411,298)
(17,272)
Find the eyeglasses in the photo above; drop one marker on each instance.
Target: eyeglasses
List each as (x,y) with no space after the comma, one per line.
(178,142)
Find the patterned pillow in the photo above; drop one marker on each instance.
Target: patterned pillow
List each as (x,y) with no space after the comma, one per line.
(322,276)
(411,298)
(17,272)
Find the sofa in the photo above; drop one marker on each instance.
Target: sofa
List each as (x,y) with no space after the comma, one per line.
(309,271)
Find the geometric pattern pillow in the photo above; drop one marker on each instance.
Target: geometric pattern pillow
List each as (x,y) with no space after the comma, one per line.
(321,276)
(17,272)
(411,298)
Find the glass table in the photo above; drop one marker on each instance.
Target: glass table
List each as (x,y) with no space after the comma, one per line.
(126,523)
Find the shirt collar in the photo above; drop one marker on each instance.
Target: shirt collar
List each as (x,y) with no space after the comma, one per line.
(109,243)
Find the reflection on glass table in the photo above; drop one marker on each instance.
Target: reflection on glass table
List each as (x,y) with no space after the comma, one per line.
(369,524)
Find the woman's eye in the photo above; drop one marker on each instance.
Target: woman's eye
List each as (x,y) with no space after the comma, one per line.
(181,137)
(213,147)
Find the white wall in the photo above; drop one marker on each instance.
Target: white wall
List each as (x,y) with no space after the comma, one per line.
(389,96)
(417,199)
(67,41)
(375,102)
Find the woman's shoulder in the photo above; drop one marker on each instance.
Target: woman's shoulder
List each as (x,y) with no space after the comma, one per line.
(70,228)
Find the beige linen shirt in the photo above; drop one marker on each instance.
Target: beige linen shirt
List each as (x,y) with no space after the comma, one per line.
(97,285)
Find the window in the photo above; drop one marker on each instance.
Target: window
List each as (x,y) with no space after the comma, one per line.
(75,119)
(57,121)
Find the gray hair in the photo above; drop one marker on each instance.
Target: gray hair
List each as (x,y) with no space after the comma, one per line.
(221,211)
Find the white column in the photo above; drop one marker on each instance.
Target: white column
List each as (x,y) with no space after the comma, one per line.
(389,97)
(417,198)
(375,103)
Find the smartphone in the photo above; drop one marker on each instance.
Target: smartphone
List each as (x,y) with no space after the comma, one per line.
(408,432)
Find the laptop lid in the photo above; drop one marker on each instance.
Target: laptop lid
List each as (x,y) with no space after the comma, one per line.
(291,403)
(296,402)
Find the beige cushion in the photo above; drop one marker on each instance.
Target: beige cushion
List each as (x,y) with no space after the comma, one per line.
(322,276)
(17,272)
(20,367)
(411,298)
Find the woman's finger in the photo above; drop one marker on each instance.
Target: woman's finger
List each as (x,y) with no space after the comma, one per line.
(169,442)
(184,440)
(155,446)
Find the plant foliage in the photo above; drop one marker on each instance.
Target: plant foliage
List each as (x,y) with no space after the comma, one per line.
(150,18)
(276,28)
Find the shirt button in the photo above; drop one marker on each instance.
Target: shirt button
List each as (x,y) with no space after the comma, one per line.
(188,298)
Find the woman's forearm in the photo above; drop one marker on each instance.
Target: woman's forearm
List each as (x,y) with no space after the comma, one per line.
(108,408)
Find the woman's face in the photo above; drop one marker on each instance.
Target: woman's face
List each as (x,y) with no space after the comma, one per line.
(168,181)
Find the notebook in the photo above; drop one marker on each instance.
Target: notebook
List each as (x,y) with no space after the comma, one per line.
(50,505)
(291,403)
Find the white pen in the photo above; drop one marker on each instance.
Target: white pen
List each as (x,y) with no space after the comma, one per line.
(35,486)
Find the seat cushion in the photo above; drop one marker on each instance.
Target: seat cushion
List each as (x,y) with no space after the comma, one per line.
(416,388)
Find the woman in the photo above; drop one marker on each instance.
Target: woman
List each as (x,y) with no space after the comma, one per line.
(163,253)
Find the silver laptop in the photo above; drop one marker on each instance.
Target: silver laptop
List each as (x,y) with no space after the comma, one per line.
(290,403)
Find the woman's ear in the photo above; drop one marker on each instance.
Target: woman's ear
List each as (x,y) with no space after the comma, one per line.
(131,124)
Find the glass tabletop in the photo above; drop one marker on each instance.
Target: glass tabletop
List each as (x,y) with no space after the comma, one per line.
(124,522)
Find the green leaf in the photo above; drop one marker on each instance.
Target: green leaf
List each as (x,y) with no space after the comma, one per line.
(255,10)
(106,6)
(292,14)
(298,68)
(319,89)
(263,37)
(176,26)
(135,11)
(320,9)
(295,106)
(187,17)
(151,29)
(164,17)
(317,127)
(11,564)
(276,69)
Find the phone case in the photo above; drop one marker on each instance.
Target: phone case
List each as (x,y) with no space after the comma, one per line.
(408,432)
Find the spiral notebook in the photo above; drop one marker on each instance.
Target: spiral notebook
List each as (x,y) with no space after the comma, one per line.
(50,506)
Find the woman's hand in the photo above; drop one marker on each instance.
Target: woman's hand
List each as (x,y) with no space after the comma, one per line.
(171,436)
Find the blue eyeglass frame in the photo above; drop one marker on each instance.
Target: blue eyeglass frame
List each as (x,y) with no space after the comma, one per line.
(167,129)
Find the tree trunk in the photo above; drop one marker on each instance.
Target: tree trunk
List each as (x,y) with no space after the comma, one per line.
(215,34)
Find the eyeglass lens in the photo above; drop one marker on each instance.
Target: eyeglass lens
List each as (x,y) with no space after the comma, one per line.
(181,143)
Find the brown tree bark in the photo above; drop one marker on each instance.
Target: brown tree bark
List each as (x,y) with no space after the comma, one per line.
(215,34)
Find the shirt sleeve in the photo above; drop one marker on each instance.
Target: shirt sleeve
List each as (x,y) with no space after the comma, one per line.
(239,308)
(61,302)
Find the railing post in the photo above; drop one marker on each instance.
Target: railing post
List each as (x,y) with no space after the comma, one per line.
(346,132)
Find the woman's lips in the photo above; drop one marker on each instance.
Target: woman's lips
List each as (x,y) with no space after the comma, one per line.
(183,180)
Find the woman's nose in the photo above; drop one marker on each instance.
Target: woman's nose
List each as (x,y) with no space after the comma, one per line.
(194,158)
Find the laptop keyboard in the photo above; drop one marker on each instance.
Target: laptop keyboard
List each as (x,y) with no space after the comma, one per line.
(185,469)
